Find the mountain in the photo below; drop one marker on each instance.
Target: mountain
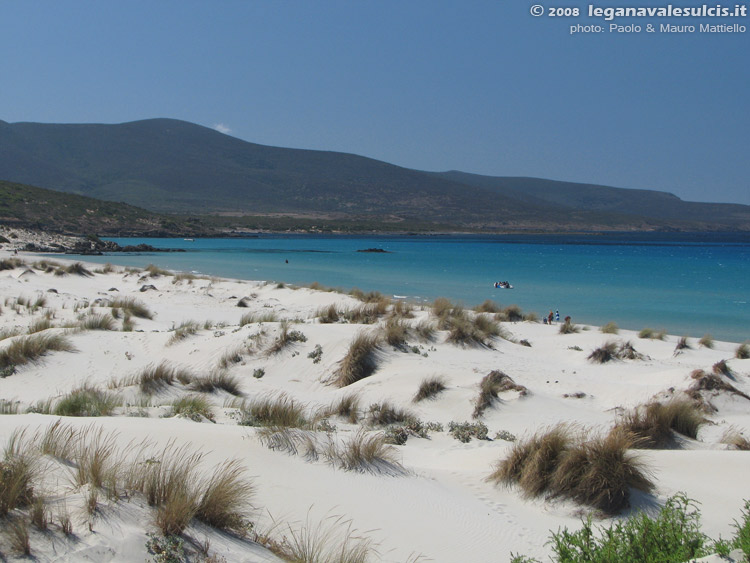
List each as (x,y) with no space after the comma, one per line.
(172,166)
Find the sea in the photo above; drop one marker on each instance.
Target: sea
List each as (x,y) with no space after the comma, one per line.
(686,284)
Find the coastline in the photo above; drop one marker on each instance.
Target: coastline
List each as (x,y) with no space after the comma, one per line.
(435,493)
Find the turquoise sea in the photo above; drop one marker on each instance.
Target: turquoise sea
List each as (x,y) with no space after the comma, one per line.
(687,284)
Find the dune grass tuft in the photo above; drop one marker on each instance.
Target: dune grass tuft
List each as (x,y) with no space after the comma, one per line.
(132,306)
(610,328)
(743,351)
(225,497)
(19,470)
(611,351)
(597,472)
(97,322)
(217,381)
(29,349)
(652,334)
(86,401)
(285,338)
(493,383)
(273,411)
(430,388)
(734,438)
(395,333)
(682,344)
(154,379)
(347,407)
(707,341)
(194,407)
(186,328)
(365,453)
(78,269)
(385,413)
(328,315)
(360,360)
(651,425)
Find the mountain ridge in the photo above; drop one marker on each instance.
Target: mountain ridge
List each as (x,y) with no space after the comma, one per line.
(173,166)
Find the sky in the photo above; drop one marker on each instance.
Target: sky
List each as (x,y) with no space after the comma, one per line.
(481,86)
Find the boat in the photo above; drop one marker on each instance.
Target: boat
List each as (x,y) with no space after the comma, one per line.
(189,240)
(503,285)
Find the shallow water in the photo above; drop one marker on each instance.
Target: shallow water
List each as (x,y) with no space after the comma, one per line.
(686,284)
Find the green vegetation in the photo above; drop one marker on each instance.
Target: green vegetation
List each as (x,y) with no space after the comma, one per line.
(671,536)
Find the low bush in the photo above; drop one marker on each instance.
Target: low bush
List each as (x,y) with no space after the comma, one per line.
(385,413)
(610,328)
(286,338)
(217,381)
(706,341)
(652,334)
(97,322)
(465,431)
(742,352)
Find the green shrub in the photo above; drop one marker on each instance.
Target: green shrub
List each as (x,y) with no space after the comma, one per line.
(29,349)
(610,328)
(674,535)
(193,407)
(465,431)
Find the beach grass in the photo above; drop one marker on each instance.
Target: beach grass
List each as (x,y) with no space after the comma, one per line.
(360,360)
(430,388)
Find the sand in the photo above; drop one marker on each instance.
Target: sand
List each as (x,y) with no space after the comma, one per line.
(432,503)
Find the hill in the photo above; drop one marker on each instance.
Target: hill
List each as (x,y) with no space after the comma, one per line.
(171,166)
(37,208)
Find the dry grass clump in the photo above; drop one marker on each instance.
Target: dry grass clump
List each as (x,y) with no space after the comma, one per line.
(733,437)
(711,382)
(443,308)
(18,536)
(491,385)
(95,459)
(651,425)
(78,269)
(568,328)
(11,264)
(231,357)
(347,407)
(132,306)
(385,413)
(488,306)
(86,401)
(360,360)
(513,314)
(610,328)
(467,331)
(273,411)
(425,330)
(605,353)
(18,472)
(430,388)
(285,338)
(217,381)
(612,351)
(9,407)
(367,313)
(722,368)
(9,333)
(598,472)
(742,352)
(682,344)
(328,315)
(186,328)
(39,325)
(531,463)
(155,271)
(335,542)
(402,310)
(59,441)
(652,334)
(29,349)
(154,379)
(97,322)
(706,341)
(365,453)
(224,497)
(194,407)
(395,333)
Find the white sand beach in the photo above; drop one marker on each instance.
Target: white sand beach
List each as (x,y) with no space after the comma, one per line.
(427,499)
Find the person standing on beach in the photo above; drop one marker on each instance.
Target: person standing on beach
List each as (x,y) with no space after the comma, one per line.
(557,316)
(550,317)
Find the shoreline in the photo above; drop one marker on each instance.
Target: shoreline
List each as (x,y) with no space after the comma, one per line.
(432,493)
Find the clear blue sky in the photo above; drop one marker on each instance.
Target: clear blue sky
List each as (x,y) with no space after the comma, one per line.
(474,85)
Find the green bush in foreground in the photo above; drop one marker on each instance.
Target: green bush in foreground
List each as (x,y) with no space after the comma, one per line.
(672,536)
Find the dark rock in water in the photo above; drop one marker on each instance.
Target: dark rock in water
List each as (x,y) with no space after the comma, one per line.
(375,250)
(147,287)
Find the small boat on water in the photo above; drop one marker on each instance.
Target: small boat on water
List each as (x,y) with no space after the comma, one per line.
(189,239)
(503,285)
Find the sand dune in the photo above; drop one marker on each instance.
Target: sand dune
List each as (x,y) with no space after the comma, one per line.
(425,500)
